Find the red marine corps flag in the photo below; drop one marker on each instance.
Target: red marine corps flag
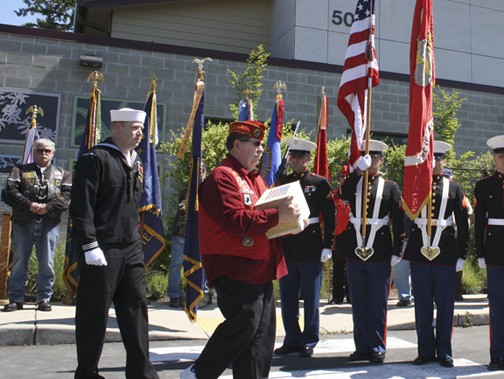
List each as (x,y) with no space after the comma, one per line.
(321,164)
(360,74)
(418,162)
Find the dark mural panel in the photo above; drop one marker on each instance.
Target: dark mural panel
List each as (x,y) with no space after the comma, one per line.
(14,121)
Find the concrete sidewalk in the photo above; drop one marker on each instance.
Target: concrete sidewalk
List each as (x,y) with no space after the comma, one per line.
(32,327)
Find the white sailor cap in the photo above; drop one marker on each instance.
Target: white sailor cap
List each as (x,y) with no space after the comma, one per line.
(440,147)
(127,114)
(375,147)
(496,144)
(297,144)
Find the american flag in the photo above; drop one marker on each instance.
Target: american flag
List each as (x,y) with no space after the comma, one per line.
(360,72)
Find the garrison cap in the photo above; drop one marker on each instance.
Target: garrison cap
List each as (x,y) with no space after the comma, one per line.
(249,128)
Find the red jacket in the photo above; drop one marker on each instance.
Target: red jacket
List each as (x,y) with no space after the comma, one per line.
(231,232)
(342,213)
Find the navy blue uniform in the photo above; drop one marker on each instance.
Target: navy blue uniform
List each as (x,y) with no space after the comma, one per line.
(104,211)
(434,280)
(369,280)
(489,238)
(302,254)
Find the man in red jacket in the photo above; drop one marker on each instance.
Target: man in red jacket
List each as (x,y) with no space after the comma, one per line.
(239,261)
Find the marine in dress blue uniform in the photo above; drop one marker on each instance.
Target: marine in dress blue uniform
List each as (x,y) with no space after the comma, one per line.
(304,254)
(369,261)
(489,239)
(434,261)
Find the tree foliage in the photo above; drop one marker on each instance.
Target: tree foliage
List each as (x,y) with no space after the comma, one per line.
(55,14)
(249,83)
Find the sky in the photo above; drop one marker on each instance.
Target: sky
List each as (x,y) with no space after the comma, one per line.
(7,15)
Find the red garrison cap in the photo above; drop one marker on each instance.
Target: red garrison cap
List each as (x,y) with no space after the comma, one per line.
(249,128)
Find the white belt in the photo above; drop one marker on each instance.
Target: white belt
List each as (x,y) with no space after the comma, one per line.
(496,221)
(437,222)
(370,221)
(314,220)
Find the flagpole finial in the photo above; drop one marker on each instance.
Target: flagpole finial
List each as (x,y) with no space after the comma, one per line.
(201,72)
(153,83)
(34,110)
(95,76)
(279,87)
(322,91)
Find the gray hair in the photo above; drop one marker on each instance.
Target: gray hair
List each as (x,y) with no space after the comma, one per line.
(44,142)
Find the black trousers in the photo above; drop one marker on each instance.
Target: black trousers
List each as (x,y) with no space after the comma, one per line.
(246,338)
(339,279)
(122,282)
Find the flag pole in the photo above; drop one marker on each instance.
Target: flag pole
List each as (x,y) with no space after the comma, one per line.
(200,86)
(369,57)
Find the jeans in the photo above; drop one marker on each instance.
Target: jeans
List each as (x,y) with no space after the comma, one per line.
(45,237)
(402,279)
(176,260)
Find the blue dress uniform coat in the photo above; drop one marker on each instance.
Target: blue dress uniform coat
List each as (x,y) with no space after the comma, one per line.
(435,279)
(369,281)
(302,254)
(489,239)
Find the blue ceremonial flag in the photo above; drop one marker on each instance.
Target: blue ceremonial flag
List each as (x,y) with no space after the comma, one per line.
(151,222)
(245,110)
(193,269)
(273,155)
(90,137)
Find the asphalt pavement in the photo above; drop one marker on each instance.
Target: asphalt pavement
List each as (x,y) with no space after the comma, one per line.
(32,327)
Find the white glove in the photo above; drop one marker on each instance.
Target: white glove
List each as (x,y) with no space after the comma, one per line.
(460,265)
(325,255)
(481,262)
(394,259)
(363,163)
(95,257)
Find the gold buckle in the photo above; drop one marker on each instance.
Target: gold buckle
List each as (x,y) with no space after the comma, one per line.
(430,252)
(364,253)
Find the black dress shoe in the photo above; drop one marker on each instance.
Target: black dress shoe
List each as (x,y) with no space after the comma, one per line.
(336,300)
(403,303)
(44,306)
(286,350)
(377,357)
(446,362)
(359,356)
(496,364)
(13,306)
(423,360)
(306,352)
(175,302)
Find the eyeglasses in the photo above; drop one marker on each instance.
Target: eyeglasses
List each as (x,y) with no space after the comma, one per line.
(256,143)
(47,151)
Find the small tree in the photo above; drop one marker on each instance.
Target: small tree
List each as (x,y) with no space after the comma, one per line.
(249,83)
(56,14)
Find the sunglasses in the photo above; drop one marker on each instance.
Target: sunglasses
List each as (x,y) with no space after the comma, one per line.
(256,143)
(47,151)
